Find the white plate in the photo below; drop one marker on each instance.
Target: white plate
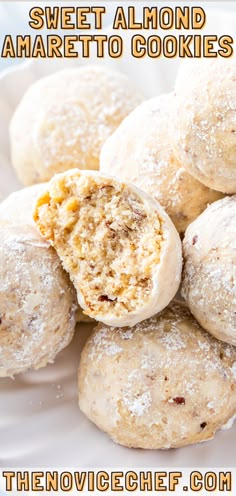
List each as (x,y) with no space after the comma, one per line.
(40,422)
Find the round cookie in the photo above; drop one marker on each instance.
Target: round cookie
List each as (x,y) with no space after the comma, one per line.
(164,383)
(37,301)
(140,151)
(18,209)
(204,132)
(209,276)
(118,245)
(64,119)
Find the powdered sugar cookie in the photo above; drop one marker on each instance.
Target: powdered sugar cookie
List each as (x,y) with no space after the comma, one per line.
(64,119)
(209,279)
(37,301)
(17,209)
(119,246)
(177,385)
(140,151)
(204,124)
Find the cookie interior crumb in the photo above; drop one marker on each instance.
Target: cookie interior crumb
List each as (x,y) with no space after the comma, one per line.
(107,241)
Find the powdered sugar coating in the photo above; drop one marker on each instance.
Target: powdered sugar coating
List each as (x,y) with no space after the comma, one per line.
(229,424)
(37,301)
(140,151)
(17,209)
(64,119)
(168,385)
(204,122)
(209,277)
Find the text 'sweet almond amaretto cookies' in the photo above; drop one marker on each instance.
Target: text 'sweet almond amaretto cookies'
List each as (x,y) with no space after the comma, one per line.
(63,120)
(164,383)
(204,121)
(37,301)
(120,248)
(209,277)
(140,151)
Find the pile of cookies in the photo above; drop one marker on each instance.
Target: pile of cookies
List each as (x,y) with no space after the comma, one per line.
(113,184)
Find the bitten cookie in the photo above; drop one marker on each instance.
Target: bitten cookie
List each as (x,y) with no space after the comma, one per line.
(164,383)
(37,301)
(209,277)
(204,122)
(64,119)
(140,151)
(118,245)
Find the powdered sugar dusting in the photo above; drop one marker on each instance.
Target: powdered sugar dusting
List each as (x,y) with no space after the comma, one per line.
(204,122)
(104,344)
(148,362)
(38,303)
(155,393)
(140,151)
(233,370)
(229,424)
(127,334)
(71,129)
(140,405)
(18,207)
(210,269)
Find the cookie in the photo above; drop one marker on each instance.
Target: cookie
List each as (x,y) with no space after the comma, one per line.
(63,120)
(140,151)
(37,301)
(118,245)
(18,209)
(164,383)
(209,276)
(203,123)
